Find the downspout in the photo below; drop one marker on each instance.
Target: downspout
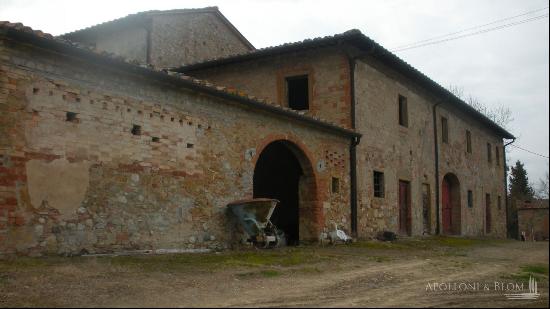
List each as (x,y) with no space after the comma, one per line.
(508,235)
(353,151)
(436,149)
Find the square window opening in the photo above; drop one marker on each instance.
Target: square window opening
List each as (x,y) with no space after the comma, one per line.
(403,111)
(297,88)
(335,185)
(136,130)
(468,141)
(444,130)
(70,116)
(378,184)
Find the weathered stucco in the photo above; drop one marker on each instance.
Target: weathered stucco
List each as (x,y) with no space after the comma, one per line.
(61,183)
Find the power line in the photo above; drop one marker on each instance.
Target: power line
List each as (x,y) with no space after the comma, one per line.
(529,151)
(471,28)
(474,33)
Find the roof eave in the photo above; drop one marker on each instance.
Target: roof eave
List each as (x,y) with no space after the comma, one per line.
(65,48)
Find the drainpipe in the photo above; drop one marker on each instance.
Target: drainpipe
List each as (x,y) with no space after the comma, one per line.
(508,235)
(436,144)
(353,151)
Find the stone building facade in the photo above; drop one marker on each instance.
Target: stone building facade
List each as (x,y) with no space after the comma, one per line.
(100,154)
(350,70)
(166,39)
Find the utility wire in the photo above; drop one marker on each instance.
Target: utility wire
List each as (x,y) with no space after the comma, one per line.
(471,28)
(474,33)
(529,151)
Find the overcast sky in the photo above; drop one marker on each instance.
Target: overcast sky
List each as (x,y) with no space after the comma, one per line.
(507,67)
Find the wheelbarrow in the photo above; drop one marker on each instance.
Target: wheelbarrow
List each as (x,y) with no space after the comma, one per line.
(253,215)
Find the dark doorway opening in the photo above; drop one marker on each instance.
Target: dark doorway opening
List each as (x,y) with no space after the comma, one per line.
(405,208)
(277,175)
(451,205)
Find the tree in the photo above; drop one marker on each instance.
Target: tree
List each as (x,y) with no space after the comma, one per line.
(501,115)
(519,186)
(519,190)
(542,190)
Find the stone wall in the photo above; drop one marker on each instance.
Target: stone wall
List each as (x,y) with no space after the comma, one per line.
(401,153)
(327,69)
(74,178)
(533,219)
(129,42)
(178,39)
(173,38)
(407,153)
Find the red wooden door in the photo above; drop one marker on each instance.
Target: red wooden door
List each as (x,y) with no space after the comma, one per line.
(447,207)
(404,208)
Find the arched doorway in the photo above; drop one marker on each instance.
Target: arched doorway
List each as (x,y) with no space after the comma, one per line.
(283,172)
(451,205)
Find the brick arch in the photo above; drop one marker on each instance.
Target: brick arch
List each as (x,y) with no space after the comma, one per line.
(311,217)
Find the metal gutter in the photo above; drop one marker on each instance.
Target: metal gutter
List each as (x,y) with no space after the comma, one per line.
(353,152)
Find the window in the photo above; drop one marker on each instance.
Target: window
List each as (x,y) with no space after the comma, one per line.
(297,88)
(335,185)
(470,199)
(499,203)
(497,155)
(71,117)
(468,141)
(403,112)
(378,184)
(444,130)
(136,130)
(489,154)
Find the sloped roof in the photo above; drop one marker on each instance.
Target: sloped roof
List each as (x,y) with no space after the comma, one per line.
(358,39)
(24,34)
(142,16)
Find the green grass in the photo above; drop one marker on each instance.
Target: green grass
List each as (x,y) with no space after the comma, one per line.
(429,243)
(537,271)
(270,273)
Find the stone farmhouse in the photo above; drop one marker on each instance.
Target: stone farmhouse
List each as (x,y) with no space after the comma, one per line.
(136,133)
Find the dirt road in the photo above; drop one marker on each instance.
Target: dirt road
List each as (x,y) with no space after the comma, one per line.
(367,274)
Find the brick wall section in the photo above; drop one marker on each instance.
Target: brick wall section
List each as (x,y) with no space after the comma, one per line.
(89,184)
(329,80)
(533,219)
(407,153)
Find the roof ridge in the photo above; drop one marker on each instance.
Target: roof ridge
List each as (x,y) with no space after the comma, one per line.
(202,84)
(361,40)
(345,34)
(143,13)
